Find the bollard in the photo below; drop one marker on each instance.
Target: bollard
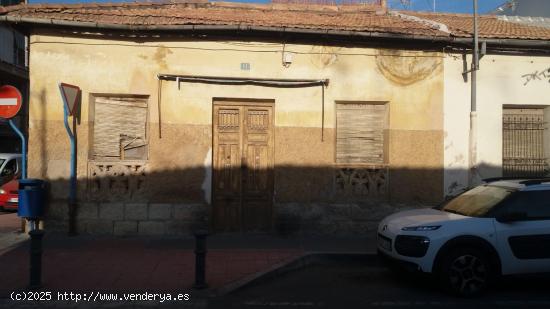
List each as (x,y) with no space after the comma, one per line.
(36,259)
(200,259)
(72,219)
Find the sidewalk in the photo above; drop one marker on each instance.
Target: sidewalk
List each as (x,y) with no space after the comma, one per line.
(85,263)
(9,222)
(10,231)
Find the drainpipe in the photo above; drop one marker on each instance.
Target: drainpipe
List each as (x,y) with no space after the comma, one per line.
(472,179)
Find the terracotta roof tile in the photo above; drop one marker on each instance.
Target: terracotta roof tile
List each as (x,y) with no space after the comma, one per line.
(490,26)
(363,18)
(366,18)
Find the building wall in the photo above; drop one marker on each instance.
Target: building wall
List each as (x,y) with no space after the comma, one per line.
(12,46)
(501,80)
(180,155)
(529,8)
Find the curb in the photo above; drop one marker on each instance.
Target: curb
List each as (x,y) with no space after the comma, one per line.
(294,264)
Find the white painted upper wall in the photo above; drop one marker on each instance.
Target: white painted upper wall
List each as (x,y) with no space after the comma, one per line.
(502,80)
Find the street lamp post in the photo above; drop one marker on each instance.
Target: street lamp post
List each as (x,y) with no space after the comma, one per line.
(473,105)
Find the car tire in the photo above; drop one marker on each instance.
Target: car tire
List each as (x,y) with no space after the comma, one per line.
(465,271)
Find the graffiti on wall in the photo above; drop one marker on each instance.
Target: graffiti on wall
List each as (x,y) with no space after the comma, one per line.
(537,75)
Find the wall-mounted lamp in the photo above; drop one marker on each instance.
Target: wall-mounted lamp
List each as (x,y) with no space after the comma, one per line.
(287,59)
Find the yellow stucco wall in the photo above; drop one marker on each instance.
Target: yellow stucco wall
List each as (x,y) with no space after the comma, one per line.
(410,81)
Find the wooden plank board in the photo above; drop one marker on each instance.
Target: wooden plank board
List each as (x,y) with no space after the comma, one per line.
(360,134)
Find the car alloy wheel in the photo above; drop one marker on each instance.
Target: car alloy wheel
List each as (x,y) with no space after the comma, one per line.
(468,274)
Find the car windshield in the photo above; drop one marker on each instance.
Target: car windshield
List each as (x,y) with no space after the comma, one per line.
(1,162)
(477,201)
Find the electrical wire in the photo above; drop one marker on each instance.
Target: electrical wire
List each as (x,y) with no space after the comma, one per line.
(237,50)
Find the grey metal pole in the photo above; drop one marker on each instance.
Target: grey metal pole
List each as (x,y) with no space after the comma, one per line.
(473,104)
(475,60)
(36,259)
(200,259)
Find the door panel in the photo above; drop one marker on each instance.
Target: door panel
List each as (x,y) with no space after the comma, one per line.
(524,245)
(229,164)
(243,167)
(256,170)
(258,183)
(227,168)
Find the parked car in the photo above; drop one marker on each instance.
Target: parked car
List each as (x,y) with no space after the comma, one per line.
(10,170)
(9,197)
(499,228)
(10,167)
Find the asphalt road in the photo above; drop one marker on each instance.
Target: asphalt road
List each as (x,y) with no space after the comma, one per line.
(353,284)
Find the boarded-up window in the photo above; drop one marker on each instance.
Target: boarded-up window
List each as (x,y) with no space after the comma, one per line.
(120,128)
(361,133)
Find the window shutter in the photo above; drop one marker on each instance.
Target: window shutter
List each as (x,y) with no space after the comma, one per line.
(360,133)
(119,123)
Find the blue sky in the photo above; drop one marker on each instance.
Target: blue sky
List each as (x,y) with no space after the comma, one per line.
(457,6)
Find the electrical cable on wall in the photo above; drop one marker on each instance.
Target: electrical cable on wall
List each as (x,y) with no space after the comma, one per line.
(262,82)
(159,97)
(241,50)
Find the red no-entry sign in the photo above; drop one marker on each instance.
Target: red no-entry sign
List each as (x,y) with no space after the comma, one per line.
(10,101)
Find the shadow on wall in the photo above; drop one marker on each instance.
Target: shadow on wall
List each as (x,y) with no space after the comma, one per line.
(125,198)
(43,128)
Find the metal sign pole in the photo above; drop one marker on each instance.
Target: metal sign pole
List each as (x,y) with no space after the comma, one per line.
(23,149)
(72,192)
(11,102)
(23,163)
(30,191)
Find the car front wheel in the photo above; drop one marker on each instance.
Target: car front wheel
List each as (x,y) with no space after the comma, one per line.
(465,271)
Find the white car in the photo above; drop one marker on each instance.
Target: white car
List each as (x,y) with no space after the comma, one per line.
(499,228)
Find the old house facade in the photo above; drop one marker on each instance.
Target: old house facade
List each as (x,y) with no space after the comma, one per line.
(244,117)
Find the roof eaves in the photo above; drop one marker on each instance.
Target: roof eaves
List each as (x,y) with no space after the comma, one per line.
(441,37)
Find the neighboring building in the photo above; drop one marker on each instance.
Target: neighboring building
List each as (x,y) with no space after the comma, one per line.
(527,12)
(13,71)
(248,117)
(512,115)
(538,8)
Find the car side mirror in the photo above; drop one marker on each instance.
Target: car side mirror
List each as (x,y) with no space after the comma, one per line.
(511,217)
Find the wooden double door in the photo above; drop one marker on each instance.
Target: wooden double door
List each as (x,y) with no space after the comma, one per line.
(242,179)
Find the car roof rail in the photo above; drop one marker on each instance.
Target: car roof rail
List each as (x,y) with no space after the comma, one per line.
(503,178)
(536,181)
